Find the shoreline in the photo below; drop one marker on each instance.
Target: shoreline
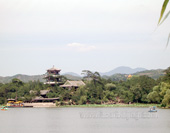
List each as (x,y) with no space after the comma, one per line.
(99,105)
(112,105)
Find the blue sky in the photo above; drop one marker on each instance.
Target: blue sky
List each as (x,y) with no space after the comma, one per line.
(73,35)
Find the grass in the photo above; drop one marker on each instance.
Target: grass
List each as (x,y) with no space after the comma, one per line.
(113,105)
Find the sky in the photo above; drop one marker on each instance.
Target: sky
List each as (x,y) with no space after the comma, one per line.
(76,35)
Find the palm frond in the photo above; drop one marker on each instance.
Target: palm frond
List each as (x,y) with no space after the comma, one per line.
(163,10)
(168,41)
(165,18)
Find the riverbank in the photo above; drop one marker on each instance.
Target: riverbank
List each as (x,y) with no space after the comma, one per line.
(113,105)
(46,105)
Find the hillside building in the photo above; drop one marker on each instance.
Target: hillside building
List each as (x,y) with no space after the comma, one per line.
(52,76)
(72,84)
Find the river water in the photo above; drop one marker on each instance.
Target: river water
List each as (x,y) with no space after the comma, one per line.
(84,120)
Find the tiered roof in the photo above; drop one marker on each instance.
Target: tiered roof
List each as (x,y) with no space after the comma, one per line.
(69,83)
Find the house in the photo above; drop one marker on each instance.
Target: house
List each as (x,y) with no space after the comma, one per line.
(72,84)
(43,97)
(43,93)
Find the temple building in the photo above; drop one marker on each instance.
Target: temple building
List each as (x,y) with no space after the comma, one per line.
(44,98)
(72,84)
(52,76)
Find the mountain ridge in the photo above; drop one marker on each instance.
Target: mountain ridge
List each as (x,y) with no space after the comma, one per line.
(123,70)
(154,73)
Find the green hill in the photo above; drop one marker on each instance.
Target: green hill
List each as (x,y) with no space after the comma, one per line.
(24,78)
(155,74)
(27,78)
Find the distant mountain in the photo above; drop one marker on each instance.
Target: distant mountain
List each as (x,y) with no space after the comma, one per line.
(116,77)
(123,70)
(71,73)
(27,78)
(72,77)
(24,78)
(117,74)
(155,74)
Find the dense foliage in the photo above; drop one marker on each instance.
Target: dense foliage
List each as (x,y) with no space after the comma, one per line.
(137,89)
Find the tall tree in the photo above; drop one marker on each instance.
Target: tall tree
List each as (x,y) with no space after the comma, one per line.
(95,77)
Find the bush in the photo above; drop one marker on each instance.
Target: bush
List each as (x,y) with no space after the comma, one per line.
(57,103)
(82,100)
(92,100)
(98,101)
(105,99)
(2,100)
(110,86)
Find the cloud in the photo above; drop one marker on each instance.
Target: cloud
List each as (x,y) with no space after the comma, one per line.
(81,47)
(75,45)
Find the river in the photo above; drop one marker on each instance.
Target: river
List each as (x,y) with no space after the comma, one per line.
(84,120)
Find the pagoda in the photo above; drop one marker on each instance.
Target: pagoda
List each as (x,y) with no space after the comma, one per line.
(52,76)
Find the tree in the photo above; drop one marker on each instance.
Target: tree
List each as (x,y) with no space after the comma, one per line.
(17,82)
(110,86)
(166,100)
(154,97)
(95,77)
(128,96)
(166,78)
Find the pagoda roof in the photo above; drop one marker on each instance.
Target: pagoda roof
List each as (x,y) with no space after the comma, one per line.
(44,92)
(10,99)
(45,99)
(54,69)
(69,83)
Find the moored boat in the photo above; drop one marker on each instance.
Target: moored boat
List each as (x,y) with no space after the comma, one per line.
(12,103)
(4,108)
(152,109)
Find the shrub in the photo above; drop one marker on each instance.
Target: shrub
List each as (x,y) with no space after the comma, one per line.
(92,100)
(82,100)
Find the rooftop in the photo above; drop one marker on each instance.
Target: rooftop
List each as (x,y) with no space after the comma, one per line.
(69,83)
(44,92)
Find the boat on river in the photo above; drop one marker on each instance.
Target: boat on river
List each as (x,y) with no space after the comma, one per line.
(4,108)
(152,109)
(12,103)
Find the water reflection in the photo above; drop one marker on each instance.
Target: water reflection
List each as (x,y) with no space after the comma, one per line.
(91,120)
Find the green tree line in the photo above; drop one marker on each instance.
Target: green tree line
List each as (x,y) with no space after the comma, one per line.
(137,89)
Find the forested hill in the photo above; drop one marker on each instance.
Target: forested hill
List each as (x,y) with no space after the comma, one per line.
(24,78)
(123,70)
(27,78)
(155,74)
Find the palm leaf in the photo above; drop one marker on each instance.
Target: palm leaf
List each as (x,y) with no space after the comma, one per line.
(165,17)
(163,10)
(168,40)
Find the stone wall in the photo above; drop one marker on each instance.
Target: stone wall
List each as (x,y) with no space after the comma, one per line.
(40,104)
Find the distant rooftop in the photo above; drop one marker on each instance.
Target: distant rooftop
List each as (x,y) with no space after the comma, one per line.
(69,83)
(44,92)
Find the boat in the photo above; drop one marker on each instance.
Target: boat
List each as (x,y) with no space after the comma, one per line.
(4,108)
(12,103)
(152,109)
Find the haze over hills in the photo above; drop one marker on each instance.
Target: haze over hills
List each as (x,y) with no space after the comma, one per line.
(24,78)
(123,70)
(71,73)
(119,73)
